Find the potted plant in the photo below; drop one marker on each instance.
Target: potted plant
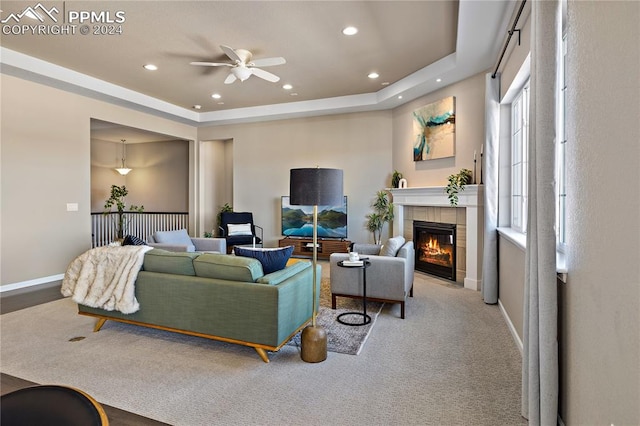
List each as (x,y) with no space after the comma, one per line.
(117,198)
(456,184)
(395,179)
(224,209)
(382,213)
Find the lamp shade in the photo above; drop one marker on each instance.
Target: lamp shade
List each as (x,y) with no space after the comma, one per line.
(315,187)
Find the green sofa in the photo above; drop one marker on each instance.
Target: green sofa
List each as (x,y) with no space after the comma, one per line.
(221,297)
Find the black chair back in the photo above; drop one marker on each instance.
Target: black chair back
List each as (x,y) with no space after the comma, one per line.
(236,218)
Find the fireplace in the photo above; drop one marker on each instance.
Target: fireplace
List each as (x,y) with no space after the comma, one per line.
(435,245)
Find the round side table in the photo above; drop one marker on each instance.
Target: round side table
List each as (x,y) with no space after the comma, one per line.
(366,319)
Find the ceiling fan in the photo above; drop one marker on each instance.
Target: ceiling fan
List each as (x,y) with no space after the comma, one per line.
(243,67)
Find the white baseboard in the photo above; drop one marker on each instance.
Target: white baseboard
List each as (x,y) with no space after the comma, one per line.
(512,329)
(31,283)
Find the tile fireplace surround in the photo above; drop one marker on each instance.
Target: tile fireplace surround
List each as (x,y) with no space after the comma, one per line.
(431,204)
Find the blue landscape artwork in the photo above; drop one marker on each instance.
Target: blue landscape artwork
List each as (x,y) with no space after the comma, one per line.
(434,129)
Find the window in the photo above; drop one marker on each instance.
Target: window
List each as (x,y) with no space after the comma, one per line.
(519,161)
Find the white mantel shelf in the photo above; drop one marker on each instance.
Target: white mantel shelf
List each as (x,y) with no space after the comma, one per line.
(471,199)
(471,196)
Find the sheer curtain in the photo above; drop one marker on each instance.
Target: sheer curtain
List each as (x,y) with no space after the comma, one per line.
(490,179)
(540,354)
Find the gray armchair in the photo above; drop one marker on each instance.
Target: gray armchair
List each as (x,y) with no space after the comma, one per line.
(179,240)
(389,278)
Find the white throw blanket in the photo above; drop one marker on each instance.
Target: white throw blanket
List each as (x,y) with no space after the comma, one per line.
(104,278)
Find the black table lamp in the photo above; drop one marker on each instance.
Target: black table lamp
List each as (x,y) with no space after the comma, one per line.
(314,187)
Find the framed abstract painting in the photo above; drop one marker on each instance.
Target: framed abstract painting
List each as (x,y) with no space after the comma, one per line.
(434,130)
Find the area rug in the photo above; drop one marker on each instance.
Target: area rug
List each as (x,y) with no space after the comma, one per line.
(344,339)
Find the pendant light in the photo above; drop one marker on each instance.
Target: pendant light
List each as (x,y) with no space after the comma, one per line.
(124,169)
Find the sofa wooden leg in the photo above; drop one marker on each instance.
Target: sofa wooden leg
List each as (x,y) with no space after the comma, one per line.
(263,354)
(333,301)
(99,324)
(411,291)
(402,310)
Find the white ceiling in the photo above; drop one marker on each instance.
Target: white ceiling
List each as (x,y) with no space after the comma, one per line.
(410,44)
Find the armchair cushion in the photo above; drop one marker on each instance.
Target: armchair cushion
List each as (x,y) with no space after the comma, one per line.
(212,245)
(392,246)
(177,237)
(366,249)
(272,260)
(239,229)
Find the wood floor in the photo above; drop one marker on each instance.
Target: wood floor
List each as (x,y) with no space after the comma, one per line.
(9,383)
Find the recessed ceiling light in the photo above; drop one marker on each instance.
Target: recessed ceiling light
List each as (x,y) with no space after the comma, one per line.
(385,83)
(350,31)
(220,103)
(197,106)
(293,94)
(400,97)
(150,67)
(287,87)
(216,96)
(438,80)
(374,75)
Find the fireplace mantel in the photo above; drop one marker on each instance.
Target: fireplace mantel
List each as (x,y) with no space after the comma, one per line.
(471,199)
(471,196)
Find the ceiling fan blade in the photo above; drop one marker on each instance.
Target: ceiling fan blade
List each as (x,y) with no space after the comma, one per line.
(230,53)
(211,64)
(265,75)
(268,62)
(230,79)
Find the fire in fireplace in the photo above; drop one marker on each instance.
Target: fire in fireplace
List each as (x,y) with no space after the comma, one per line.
(435,245)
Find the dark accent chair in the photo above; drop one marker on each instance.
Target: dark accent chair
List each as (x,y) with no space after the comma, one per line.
(252,235)
(51,405)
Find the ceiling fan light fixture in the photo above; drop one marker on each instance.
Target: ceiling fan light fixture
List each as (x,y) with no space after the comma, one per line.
(241,72)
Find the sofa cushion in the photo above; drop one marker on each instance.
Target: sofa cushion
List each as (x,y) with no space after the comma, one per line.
(179,237)
(272,259)
(277,277)
(228,267)
(392,246)
(169,262)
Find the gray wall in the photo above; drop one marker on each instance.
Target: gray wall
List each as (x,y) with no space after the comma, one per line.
(159,179)
(601,360)
(511,279)
(45,164)
(469,135)
(359,143)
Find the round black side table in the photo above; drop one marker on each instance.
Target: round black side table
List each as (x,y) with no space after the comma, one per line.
(366,319)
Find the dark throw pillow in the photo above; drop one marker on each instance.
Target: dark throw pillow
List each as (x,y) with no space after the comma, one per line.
(131,240)
(272,259)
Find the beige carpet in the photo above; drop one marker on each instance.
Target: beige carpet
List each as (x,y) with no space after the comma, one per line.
(342,338)
(452,361)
